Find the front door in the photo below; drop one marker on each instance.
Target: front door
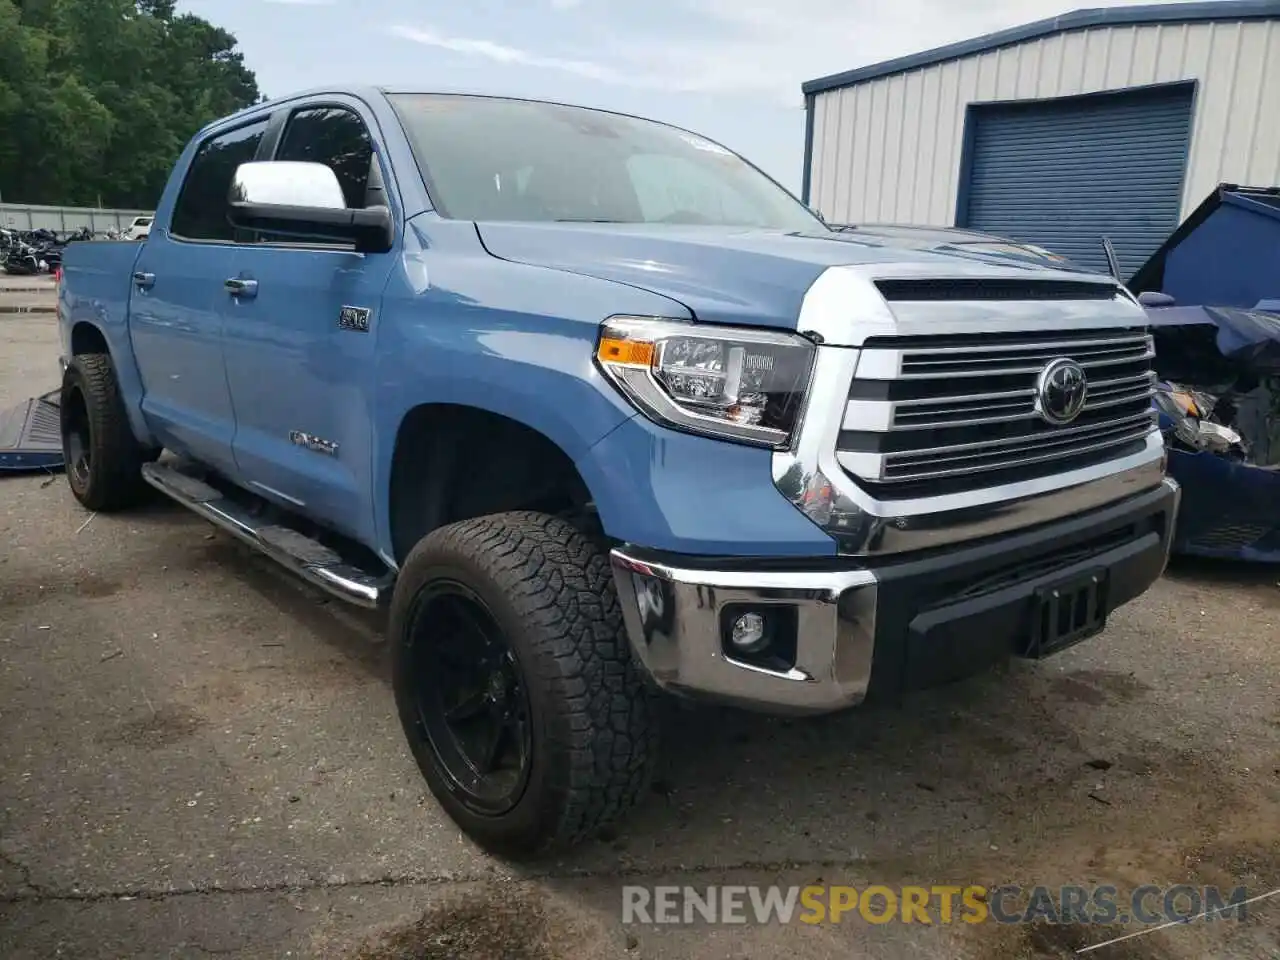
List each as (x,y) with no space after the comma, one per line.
(178,305)
(300,344)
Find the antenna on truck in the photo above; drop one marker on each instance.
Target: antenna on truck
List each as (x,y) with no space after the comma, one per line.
(1113,263)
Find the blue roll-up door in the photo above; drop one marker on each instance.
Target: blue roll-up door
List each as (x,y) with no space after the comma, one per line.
(1065,173)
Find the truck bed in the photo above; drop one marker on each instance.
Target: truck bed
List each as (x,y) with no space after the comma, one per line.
(98,275)
(97,283)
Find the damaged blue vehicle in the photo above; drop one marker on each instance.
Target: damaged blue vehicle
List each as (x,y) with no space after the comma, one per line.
(1219,396)
(1219,410)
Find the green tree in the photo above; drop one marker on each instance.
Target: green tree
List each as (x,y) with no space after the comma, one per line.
(98,97)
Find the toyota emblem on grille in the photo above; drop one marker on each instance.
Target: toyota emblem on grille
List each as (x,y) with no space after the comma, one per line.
(1061,391)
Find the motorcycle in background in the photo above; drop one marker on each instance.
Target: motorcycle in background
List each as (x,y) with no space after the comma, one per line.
(31,252)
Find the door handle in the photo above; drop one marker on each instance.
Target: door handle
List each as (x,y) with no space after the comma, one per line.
(144,281)
(238,287)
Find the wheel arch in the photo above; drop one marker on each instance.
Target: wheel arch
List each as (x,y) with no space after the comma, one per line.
(87,337)
(455,461)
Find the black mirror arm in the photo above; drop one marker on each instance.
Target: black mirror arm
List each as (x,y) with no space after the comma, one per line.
(370,229)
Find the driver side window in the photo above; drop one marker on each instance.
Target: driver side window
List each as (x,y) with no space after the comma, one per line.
(671,188)
(336,137)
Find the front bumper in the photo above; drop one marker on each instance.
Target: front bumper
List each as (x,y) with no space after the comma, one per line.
(857,630)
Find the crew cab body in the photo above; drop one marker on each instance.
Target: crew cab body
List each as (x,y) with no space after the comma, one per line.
(912,496)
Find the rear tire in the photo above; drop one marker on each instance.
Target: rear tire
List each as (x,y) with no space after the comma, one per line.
(533,600)
(103,458)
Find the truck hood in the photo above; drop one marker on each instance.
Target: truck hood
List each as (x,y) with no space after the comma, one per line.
(722,274)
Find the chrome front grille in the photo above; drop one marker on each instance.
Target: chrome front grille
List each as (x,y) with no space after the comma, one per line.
(998,359)
(958,412)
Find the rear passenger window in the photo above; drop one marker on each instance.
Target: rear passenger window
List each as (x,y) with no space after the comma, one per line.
(201,211)
(337,138)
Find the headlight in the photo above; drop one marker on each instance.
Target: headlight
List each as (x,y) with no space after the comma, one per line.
(728,382)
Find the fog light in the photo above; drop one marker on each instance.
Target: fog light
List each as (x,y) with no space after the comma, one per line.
(750,633)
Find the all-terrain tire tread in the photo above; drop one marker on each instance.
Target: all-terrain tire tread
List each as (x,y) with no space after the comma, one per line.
(561,583)
(116,454)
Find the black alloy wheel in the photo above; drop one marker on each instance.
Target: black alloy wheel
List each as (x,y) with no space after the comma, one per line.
(514,682)
(471,698)
(77,438)
(103,458)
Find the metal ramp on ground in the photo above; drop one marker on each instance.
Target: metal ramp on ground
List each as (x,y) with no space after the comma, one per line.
(30,435)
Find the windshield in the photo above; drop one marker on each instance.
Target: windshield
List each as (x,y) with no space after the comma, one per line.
(487,158)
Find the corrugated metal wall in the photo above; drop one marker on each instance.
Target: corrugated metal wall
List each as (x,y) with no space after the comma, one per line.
(889,149)
(29,216)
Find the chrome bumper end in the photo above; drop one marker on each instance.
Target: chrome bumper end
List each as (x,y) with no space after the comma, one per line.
(677,619)
(922,622)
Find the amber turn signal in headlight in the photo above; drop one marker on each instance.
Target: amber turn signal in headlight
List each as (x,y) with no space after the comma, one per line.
(627,353)
(735,383)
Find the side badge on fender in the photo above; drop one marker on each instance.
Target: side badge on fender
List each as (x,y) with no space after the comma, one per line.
(313,443)
(354,318)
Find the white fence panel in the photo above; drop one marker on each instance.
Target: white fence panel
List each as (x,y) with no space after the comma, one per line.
(29,216)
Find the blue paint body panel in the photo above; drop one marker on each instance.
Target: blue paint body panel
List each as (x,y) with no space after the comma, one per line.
(694,495)
(721,274)
(94,296)
(1229,510)
(1232,257)
(289,367)
(458,326)
(499,317)
(176,329)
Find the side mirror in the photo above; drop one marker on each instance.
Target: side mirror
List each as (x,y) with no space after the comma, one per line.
(1152,298)
(304,200)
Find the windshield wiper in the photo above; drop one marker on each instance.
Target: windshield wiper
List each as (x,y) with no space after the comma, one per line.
(587,220)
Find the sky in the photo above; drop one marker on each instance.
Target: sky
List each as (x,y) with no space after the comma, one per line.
(728,69)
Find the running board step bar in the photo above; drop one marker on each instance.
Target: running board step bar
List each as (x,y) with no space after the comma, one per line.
(308,558)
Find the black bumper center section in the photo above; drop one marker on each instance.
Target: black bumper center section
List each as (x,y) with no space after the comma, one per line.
(947,617)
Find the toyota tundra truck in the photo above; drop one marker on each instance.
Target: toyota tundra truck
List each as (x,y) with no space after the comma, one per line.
(596,410)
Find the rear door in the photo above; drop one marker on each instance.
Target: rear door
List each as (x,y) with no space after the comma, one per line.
(300,350)
(179,300)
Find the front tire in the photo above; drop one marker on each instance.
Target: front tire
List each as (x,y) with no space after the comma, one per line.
(510,623)
(103,458)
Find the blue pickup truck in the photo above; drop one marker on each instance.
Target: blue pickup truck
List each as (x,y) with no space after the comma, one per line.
(598,410)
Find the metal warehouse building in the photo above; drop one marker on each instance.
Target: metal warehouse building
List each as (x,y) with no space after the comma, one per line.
(1113,122)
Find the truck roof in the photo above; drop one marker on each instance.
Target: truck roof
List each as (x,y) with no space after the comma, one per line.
(266,106)
(368,93)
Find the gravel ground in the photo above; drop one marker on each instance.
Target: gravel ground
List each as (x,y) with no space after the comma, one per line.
(199,756)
